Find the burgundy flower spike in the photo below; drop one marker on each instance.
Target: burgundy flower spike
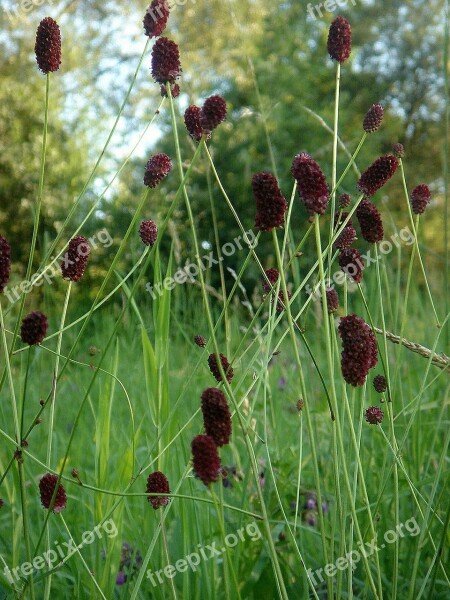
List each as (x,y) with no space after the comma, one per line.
(206,461)
(359,352)
(48,45)
(420,198)
(271,205)
(340,40)
(5,262)
(311,182)
(158,167)
(214,367)
(157,483)
(148,232)
(34,327)
(213,112)
(156,17)
(165,61)
(378,174)
(370,222)
(47,488)
(75,259)
(216,416)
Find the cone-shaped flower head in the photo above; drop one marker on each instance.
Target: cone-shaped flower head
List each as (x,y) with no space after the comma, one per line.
(157,483)
(370,222)
(48,45)
(344,200)
(374,415)
(165,61)
(200,341)
(5,262)
(272,275)
(332,300)
(214,367)
(378,174)
(311,182)
(216,416)
(75,259)
(148,232)
(373,119)
(213,112)
(47,488)
(398,150)
(34,327)
(420,198)
(206,461)
(359,352)
(351,262)
(192,122)
(156,169)
(346,238)
(156,17)
(379,383)
(271,205)
(340,39)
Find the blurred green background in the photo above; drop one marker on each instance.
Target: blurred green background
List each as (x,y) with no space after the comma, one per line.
(268,60)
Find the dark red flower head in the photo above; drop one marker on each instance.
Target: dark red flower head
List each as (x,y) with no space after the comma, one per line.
(271,205)
(311,182)
(165,61)
(272,275)
(156,169)
(344,200)
(47,488)
(359,352)
(340,39)
(192,122)
(200,341)
(420,198)
(33,329)
(5,262)
(216,416)
(206,461)
(370,222)
(374,415)
(332,300)
(214,367)
(398,150)
(174,90)
(378,174)
(157,483)
(373,119)
(48,45)
(346,238)
(75,259)
(156,17)
(148,232)
(213,112)
(379,383)
(351,262)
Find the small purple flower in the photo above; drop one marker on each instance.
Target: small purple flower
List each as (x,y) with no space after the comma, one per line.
(121,578)
(282,383)
(310,503)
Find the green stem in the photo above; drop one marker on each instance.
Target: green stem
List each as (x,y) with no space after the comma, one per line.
(273,554)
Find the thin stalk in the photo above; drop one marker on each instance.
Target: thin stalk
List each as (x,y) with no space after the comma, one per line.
(306,409)
(254,465)
(166,550)
(335,153)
